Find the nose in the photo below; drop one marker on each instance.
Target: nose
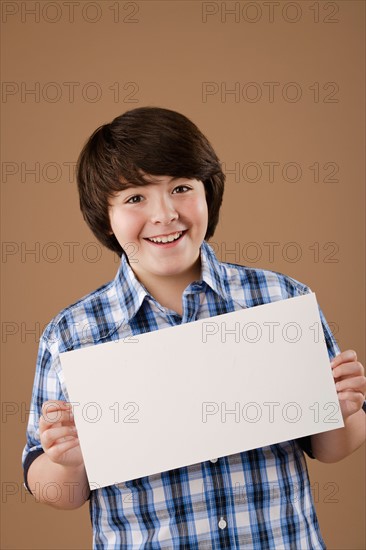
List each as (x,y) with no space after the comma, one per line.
(163,211)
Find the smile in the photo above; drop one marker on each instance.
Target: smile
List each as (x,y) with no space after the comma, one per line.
(166,239)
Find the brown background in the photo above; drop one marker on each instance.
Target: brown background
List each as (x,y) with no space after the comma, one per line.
(162,54)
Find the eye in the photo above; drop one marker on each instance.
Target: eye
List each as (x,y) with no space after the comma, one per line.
(182,187)
(132,201)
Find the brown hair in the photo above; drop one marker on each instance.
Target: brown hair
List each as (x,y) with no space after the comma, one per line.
(155,141)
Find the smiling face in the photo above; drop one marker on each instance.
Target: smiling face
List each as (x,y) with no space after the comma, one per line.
(166,210)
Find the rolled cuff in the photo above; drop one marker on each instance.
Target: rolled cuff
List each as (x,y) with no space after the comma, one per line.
(305,444)
(31,456)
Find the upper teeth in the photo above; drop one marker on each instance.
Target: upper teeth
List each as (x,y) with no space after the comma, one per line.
(167,239)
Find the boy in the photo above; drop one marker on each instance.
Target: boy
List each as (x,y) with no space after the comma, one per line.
(151,187)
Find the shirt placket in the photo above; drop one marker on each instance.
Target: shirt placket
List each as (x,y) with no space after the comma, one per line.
(218,505)
(191,304)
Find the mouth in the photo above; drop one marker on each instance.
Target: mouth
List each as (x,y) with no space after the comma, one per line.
(166,239)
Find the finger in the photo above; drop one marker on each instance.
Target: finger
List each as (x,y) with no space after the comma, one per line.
(55,405)
(355,384)
(52,435)
(57,416)
(348,355)
(59,441)
(346,369)
(353,396)
(59,449)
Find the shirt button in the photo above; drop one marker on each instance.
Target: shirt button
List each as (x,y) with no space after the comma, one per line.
(222,523)
(213,460)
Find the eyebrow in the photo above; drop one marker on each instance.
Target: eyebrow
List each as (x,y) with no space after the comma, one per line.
(131,185)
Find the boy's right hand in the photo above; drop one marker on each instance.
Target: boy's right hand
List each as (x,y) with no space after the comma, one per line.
(58,434)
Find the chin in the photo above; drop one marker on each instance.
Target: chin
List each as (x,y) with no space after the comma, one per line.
(170,271)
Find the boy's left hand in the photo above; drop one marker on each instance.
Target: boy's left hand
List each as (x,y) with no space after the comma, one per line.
(349,375)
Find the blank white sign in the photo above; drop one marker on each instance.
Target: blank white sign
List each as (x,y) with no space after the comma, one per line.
(201,390)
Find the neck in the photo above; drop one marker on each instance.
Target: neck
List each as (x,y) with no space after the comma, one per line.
(168,290)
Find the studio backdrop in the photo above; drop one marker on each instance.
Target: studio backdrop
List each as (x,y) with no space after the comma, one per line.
(277,87)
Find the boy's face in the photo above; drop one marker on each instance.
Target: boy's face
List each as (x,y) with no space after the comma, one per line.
(166,208)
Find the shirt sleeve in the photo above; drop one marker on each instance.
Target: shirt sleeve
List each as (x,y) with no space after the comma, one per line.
(333,350)
(46,387)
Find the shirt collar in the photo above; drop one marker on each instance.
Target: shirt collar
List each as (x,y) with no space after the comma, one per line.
(131,293)
(213,272)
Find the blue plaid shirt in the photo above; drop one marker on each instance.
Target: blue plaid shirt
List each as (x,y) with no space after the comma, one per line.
(259,499)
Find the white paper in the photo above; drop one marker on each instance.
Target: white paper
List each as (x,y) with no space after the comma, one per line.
(162,400)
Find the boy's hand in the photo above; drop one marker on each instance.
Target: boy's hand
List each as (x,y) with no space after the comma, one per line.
(58,434)
(349,376)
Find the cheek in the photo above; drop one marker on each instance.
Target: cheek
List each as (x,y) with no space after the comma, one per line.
(199,210)
(114,221)
(125,225)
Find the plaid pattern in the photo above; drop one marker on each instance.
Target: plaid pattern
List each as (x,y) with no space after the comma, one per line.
(256,499)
